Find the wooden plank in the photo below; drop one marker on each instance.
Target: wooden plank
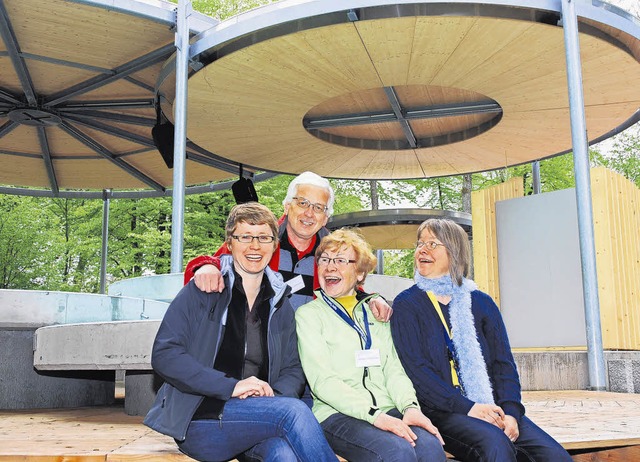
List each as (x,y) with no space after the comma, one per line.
(626,454)
(580,420)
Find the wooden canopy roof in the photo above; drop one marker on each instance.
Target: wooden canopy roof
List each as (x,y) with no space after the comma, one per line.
(77,95)
(394,228)
(375,89)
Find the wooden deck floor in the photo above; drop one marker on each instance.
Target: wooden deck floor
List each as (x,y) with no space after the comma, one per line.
(606,425)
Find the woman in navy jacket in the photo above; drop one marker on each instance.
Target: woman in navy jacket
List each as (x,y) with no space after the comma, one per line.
(230,360)
(453,345)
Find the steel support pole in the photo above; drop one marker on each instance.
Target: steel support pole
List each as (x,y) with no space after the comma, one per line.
(180,135)
(380,264)
(535,170)
(106,196)
(595,355)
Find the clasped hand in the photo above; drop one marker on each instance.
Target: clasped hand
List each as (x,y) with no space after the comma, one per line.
(251,386)
(401,427)
(496,416)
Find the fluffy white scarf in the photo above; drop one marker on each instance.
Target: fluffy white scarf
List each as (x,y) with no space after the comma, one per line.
(472,368)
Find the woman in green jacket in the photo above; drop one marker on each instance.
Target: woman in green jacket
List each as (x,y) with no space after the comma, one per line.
(362,397)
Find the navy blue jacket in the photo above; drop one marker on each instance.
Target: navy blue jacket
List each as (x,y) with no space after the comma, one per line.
(188,341)
(418,337)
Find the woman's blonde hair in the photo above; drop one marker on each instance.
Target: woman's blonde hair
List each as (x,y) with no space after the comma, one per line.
(456,243)
(365,259)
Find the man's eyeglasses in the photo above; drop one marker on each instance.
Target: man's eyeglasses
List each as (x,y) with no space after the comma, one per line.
(429,245)
(305,204)
(248,238)
(338,261)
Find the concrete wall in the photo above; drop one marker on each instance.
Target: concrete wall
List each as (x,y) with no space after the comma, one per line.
(162,287)
(22,387)
(42,308)
(387,286)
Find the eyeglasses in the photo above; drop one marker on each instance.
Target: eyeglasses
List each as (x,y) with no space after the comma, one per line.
(339,261)
(305,204)
(429,245)
(248,238)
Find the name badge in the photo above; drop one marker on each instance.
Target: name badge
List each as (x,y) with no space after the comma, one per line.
(368,358)
(296,283)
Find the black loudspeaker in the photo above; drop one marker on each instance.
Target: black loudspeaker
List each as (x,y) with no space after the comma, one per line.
(243,190)
(163,137)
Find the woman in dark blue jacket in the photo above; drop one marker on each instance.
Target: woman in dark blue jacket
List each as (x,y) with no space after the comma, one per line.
(453,345)
(230,360)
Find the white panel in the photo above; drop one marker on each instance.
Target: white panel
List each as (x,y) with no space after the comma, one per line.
(540,271)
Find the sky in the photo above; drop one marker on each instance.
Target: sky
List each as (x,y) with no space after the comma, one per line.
(632,6)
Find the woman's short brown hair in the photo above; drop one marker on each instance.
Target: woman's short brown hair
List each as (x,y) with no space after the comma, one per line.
(252,213)
(345,237)
(455,241)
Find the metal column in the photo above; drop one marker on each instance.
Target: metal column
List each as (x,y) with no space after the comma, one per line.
(380,264)
(106,195)
(595,355)
(180,140)
(535,170)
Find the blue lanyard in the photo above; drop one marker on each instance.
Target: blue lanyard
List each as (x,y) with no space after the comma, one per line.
(365,335)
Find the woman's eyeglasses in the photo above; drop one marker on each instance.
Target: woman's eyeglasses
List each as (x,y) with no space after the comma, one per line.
(305,204)
(429,245)
(248,238)
(339,261)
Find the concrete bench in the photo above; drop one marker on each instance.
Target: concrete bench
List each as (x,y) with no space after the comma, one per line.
(22,312)
(126,346)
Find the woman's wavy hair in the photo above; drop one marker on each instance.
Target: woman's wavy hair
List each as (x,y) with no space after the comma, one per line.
(456,243)
(346,237)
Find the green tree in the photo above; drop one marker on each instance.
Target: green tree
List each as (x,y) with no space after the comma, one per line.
(623,157)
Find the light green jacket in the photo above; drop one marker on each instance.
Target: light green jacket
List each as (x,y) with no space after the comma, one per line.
(327,347)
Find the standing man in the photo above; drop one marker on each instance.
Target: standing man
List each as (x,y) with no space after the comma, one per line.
(307,208)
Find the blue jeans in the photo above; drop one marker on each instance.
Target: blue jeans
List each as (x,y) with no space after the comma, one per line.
(263,428)
(473,440)
(358,441)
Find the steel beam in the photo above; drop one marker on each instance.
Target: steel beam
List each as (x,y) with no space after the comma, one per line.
(46,155)
(11,43)
(595,355)
(119,72)
(116,117)
(427,112)
(9,98)
(212,187)
(535,174)
(107,104)
(106,194)
(180,134)
(111,130)
(397,110)
(6,128)
(104,152)
(209,162)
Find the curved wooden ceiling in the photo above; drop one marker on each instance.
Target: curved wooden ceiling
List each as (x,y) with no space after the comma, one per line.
(77,95)
(270,75)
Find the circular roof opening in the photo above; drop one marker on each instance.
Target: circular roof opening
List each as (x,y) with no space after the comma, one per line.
(402,117)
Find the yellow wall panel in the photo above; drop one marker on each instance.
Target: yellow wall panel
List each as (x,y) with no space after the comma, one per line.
(485,242)
(616,211)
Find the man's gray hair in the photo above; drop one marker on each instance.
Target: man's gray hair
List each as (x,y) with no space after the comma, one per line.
(312,179)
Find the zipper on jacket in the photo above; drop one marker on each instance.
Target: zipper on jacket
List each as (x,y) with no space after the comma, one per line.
(365,372)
